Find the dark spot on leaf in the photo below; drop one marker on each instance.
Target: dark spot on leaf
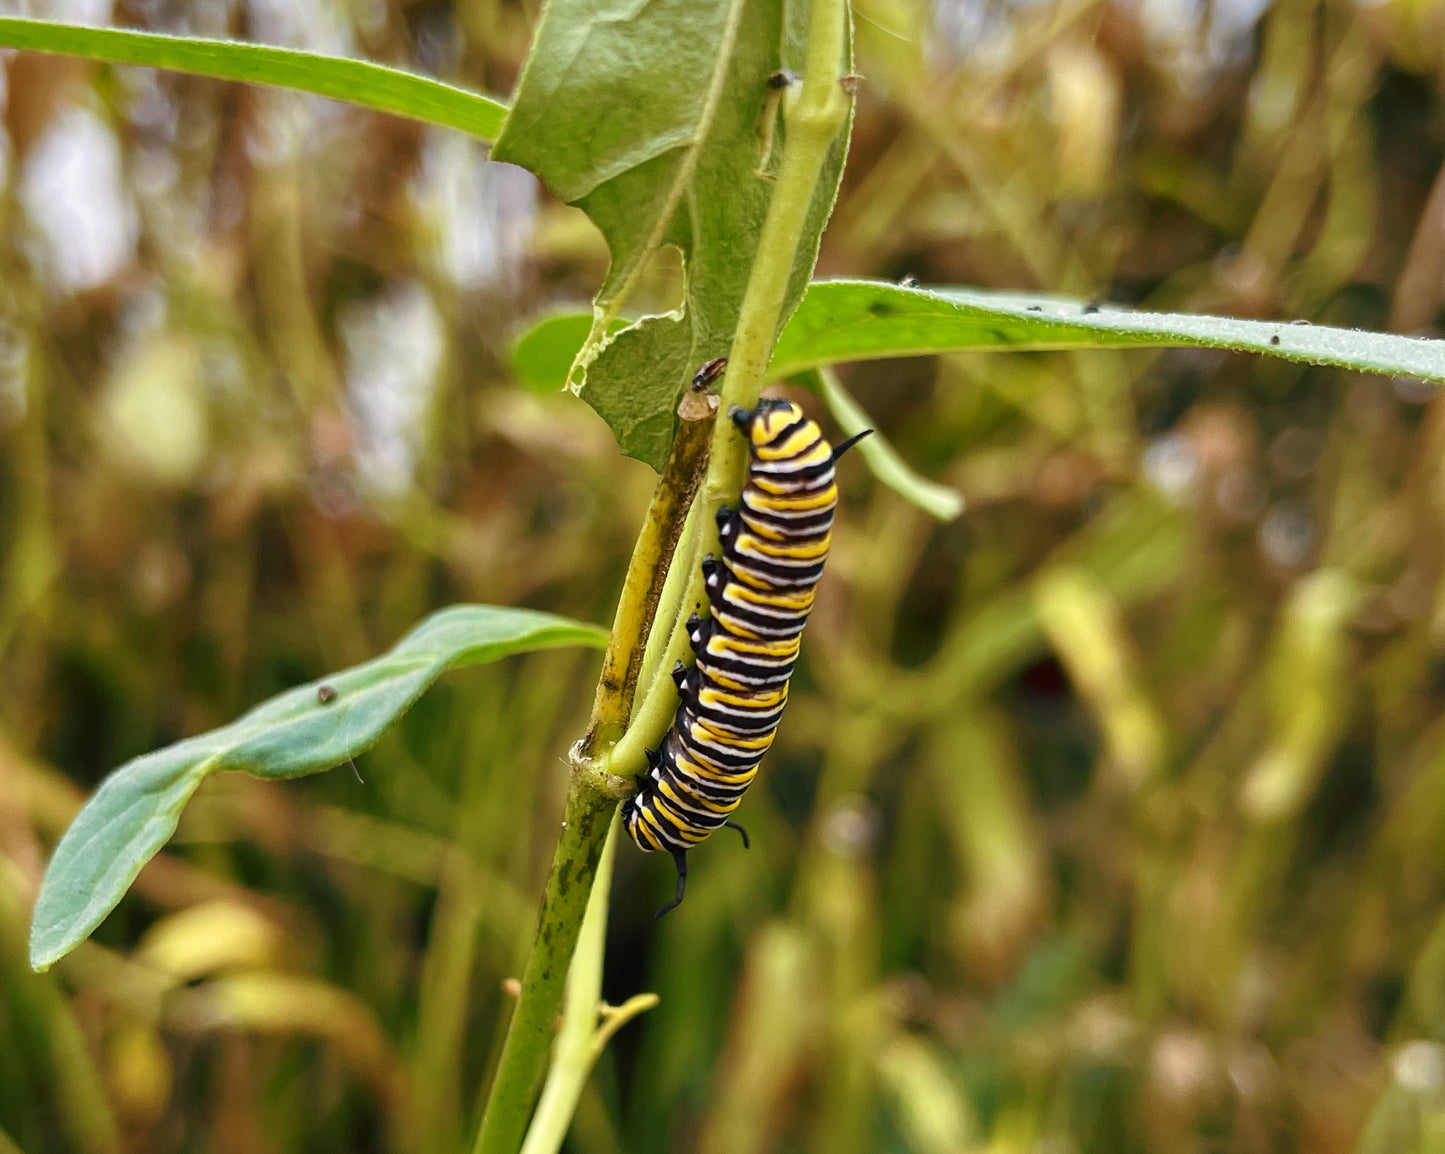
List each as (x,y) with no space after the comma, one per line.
(325,694)
(880,309)
(1274,340)
(1036,308)
(1091,307)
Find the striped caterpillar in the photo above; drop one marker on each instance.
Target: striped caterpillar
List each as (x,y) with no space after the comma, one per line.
(773,549)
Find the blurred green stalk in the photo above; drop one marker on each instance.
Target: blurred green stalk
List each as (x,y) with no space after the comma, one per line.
(814,121)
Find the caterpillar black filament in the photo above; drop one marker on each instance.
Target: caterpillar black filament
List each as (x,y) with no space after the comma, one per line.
(760,592)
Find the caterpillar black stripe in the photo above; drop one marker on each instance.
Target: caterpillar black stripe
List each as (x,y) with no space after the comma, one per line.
(760,592)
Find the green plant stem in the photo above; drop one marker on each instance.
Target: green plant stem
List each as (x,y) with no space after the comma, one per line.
(669,608)
(647,573)
(570,1062)
(564,903)
(583,1037)
(590,801)
(591,794)
(654,715)
(936,500)
(813,122)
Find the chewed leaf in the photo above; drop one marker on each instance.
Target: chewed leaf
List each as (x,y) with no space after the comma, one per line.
(658,120)
(305,730)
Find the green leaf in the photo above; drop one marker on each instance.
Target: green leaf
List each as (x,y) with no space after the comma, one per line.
(136,809)
(361,82)
(842,321)
(544,352)
(866,320)
(654,119)
(542,355)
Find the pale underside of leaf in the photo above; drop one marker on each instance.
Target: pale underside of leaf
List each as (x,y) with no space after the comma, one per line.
(569,46)
(693,64)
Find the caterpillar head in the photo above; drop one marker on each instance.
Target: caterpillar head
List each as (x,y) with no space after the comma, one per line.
(762,424)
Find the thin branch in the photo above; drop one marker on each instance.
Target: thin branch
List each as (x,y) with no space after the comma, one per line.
(814,122)
(651,556)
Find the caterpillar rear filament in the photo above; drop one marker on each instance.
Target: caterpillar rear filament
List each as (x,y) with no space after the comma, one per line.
(773,549)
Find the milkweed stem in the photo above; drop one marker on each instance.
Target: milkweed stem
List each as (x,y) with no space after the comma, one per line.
(646,573)
(814,121)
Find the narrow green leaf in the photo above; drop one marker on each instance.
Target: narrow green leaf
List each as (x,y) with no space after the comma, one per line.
(867,320)
(305,730)
(658,121)
(841,321)
(360,82)
(936,500)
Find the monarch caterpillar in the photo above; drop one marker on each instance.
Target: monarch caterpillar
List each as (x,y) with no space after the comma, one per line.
(773,549)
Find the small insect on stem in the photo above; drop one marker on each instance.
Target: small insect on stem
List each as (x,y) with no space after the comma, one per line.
(699,402)
(778,83)
(703,379)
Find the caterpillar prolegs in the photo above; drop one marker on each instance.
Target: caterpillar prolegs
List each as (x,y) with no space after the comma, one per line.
(760,592)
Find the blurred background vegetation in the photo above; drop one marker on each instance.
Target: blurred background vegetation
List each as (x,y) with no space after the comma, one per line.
(1107,818)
